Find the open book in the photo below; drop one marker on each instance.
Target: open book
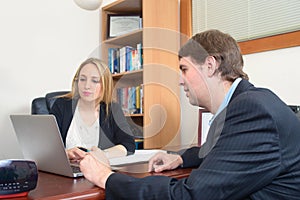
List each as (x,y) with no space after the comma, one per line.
(140,156)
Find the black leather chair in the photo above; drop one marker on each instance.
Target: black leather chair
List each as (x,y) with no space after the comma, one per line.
(296,110)
(42,105)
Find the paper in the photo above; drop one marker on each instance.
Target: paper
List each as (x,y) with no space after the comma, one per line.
(138,157)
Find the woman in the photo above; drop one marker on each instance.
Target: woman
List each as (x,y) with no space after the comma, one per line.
(87,116)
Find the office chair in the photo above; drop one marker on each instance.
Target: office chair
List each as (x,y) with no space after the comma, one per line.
(42,105)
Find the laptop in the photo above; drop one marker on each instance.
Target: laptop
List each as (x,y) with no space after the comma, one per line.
(40,140)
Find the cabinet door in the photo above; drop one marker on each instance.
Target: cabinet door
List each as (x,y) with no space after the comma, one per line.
(161,39)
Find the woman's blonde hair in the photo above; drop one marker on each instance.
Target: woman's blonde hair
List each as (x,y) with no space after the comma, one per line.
(106,80)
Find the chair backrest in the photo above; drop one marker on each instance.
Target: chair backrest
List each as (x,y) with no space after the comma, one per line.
(296,110)
(42,105)
(39,106)
(51,97)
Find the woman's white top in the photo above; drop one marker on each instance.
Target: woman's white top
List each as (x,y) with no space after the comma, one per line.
(80,134)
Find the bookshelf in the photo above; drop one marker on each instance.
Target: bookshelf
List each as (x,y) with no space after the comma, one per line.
(159,122)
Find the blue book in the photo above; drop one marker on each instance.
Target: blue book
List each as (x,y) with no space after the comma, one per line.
(139,56)
(131,100)
(110,60)
(116,61)
(128,62)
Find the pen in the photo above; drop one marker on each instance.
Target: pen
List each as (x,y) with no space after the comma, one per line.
(83,149)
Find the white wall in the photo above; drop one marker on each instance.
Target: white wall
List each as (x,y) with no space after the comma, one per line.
(41,45)
(105,2)
(277,70)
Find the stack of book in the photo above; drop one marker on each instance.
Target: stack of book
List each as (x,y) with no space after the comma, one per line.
(125,59)
(131,99)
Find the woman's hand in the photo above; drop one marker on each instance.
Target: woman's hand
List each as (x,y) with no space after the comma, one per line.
(75,154)
(115,151)
(100,156)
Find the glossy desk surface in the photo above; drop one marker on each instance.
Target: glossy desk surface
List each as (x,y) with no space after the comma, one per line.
(52,186)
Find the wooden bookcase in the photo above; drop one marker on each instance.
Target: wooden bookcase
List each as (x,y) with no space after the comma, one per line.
(159,76)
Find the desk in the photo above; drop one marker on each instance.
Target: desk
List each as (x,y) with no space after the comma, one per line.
(53,187)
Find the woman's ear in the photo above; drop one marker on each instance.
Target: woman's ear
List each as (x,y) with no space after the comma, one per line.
(212,65)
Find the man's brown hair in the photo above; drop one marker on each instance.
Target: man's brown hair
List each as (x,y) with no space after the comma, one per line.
(219,45)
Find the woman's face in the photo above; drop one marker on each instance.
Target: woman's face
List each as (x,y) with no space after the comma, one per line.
(89,83)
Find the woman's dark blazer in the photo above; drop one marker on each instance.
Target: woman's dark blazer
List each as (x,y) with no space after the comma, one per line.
(252,152)
(113,130)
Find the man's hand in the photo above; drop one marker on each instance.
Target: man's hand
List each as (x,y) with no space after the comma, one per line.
(95,167)
(163,161)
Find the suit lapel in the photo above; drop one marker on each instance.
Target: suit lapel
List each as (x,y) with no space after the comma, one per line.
(214,133)
(216,127)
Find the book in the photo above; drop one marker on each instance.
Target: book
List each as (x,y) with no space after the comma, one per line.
(122,55)
(140,156)
(131,100)
(128,61)
(141,99)
(126,58)
(116,61)
(137,99)
(139,56)
(113,60)
(110,60)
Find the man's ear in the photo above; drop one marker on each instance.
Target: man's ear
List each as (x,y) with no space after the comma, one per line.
(212,65)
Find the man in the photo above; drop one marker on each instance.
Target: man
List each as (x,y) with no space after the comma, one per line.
(252,149)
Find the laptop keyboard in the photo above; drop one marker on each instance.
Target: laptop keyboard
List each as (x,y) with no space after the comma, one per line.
(75,169)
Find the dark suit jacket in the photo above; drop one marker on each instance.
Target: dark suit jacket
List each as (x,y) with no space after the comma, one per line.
(114,128)
(252,152)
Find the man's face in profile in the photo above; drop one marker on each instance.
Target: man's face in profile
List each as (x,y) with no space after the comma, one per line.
(193,81)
